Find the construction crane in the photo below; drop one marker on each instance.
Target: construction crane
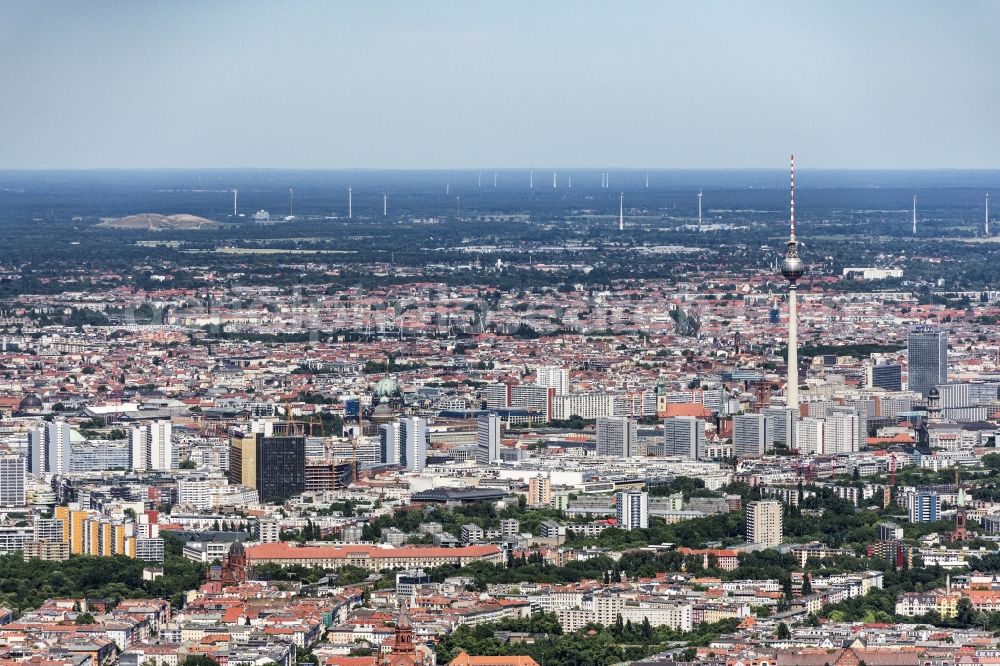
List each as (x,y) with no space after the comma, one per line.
(316,420)
(354,460)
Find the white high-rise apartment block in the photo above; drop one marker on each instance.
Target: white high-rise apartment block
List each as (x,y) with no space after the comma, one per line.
(389,443)
(12,472)
(137,436)
(633,510)
(780,427)
(749,435)
(553,376)
(809,435)
(49,449)
(584,405)
(684,436)
(151,446)
(617,436)
(841,434)
(497,396)
(413,443)
(765,523)
(488,439)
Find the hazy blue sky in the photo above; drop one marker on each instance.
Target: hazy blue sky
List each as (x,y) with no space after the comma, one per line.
(415,83)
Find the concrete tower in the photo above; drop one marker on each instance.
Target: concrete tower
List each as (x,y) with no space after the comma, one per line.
(621,212)
(792,269)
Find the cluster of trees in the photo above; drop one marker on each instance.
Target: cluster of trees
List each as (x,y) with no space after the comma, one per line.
(593,645)
(26,584)
(880,605)
(483,514)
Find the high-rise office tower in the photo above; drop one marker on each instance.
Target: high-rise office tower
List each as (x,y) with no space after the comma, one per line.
(413,443)
(684,436)
(280,466)
(274,465)
(488,439)
(49,449)
(765,523)
(553,376)
(888,376)
(927,359)
(389,443)
(633,510)
(792,268)
(749,435)
(12,490)
(617,436)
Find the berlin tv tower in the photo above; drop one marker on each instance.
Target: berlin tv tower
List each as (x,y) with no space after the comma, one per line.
(792,269)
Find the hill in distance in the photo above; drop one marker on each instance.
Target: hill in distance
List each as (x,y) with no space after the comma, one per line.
(157,222)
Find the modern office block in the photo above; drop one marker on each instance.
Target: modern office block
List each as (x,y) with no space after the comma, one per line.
(927,359)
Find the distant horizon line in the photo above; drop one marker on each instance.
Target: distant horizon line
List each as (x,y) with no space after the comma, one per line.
(542,169)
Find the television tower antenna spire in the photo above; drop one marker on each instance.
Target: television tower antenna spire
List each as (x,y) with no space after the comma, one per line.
(987,229)
(699,210)
(621,211)
(234,202)
(385,204)
(291,201)
(350,204)
(792,269)
(914,214)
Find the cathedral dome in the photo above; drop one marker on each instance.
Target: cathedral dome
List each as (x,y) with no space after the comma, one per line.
(387,388)
(30,403)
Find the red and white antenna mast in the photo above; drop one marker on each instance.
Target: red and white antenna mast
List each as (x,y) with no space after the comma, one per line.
(791,190)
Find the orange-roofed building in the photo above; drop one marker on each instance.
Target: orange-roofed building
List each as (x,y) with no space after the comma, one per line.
(343,660)
(373,558)
(725,559)
(672,409)
(466,659)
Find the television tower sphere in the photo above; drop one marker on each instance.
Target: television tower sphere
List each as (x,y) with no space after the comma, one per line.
(792,267)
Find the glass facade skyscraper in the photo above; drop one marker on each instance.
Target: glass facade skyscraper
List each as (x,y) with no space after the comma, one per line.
(927,357)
